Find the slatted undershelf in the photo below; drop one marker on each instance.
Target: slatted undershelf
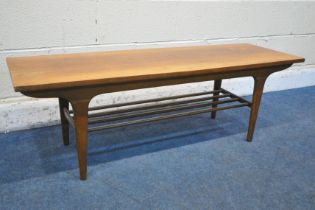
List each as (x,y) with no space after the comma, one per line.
(150,110)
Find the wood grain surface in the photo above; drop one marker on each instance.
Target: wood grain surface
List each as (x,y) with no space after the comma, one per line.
(49,72)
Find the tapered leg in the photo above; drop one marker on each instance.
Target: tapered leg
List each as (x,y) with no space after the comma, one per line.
(217,86)
(81,128)
(258,91)
(63,103)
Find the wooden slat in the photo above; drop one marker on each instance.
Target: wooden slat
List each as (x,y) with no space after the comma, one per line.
(37,73)
(160,110)
(164,117)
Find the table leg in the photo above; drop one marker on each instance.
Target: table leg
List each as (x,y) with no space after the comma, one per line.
(257,93)
(217,86)
(81,128)
(63,103)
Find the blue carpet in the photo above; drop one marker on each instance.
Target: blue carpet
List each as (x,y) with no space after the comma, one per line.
(184,163)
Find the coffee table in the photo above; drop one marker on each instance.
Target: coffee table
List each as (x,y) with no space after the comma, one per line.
(76,78)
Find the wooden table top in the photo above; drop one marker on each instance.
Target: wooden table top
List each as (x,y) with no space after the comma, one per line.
(49,72)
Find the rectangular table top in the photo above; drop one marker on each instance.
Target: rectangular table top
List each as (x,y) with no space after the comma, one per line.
(48,72)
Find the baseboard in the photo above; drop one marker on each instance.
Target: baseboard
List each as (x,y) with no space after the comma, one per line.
(25,113)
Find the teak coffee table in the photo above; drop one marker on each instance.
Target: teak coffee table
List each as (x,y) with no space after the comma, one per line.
(76,78)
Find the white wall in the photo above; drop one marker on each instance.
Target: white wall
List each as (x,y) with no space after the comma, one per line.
(54,26)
